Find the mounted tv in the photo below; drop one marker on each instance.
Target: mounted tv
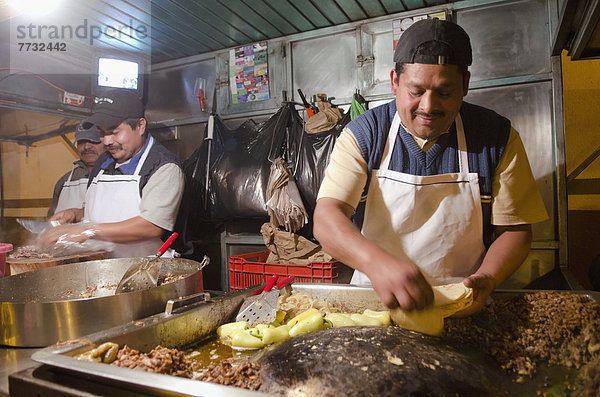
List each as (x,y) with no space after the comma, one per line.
(114,72)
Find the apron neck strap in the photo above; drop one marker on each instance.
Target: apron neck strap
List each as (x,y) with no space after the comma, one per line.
(72,171)
(392,135)
(463,159)
(144,155)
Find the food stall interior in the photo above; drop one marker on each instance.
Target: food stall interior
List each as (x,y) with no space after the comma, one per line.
(186,52)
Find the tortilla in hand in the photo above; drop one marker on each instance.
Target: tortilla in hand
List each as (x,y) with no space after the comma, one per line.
(448,299)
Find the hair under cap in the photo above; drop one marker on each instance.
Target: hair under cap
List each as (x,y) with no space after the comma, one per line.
(433,41)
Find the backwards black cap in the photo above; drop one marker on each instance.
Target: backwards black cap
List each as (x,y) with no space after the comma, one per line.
(433,41)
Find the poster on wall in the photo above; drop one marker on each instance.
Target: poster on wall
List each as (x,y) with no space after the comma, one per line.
(401,24)
(249,73)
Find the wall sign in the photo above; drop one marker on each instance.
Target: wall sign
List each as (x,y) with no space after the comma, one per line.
(249,73)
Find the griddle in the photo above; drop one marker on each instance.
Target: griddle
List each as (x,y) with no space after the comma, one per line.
(192,324)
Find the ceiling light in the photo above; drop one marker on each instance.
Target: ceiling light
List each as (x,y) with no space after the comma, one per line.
(36,7)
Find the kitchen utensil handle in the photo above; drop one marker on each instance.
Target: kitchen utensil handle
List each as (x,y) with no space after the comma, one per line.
(167,243)
(269,285)
(285,282)
(309,109)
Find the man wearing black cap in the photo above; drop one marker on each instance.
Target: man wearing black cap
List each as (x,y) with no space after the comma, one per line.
(69,191)
(441,190)
(135,187)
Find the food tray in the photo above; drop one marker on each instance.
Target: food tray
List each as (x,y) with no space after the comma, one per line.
(192,323)
(250,269)
(40,307)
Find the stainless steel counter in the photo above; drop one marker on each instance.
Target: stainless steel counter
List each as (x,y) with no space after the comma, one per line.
(13,359)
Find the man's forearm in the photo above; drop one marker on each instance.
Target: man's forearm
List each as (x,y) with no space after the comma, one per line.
(127,231)
(507,252)
(341,239)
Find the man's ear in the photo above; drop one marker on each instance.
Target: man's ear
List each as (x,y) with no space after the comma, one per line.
(466,79)
(394,80)
(141,127)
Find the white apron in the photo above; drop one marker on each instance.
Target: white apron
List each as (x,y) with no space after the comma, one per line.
(115,198)
(72,193)
(432,221)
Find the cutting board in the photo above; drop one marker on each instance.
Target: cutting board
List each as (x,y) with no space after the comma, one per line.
(22,265)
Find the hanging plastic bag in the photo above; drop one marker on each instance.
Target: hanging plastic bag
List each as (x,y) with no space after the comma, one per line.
(358,106)
(325,119)
(284,203)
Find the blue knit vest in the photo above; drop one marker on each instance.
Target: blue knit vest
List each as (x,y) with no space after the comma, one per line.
(157,157)
(486,133)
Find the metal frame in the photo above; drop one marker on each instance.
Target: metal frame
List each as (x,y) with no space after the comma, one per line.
(578,20)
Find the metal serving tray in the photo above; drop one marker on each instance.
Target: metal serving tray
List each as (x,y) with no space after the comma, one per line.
(41,307)
(190,322)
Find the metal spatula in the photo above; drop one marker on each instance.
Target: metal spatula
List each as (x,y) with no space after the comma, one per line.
(144,275)
(256,295)
(263,308)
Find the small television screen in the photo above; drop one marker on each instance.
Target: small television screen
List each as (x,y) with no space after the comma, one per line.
(118,73)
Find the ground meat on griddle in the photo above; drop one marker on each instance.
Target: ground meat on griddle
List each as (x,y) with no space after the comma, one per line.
(160,360)
(28,252)
(232,372)
(560,328)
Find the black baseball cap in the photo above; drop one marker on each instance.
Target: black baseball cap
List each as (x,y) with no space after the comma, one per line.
(91,133)
(435,42)
(114,107)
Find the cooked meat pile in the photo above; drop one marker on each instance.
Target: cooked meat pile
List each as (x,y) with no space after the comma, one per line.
(232,372)
(160,360)
(562,328)
(28,251)
(170,277)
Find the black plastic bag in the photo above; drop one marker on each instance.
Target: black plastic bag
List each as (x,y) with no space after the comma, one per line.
(241,164)
(309,156)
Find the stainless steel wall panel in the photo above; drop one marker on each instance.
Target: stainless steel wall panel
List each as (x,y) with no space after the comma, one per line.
(508,39)
(383,62)
(528,108)
(325,65)
(171,96)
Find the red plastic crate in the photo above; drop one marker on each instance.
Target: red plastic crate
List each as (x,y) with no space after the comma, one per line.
(250,269)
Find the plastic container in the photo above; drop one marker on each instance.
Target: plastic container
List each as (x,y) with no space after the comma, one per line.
(250,269)
(5,248)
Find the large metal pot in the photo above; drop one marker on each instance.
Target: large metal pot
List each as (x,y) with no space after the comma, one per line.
(42,307)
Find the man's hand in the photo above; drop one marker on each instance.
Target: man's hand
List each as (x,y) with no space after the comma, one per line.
(401,284)
(396,282)
(483,284)
(72,215)
(63,235)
